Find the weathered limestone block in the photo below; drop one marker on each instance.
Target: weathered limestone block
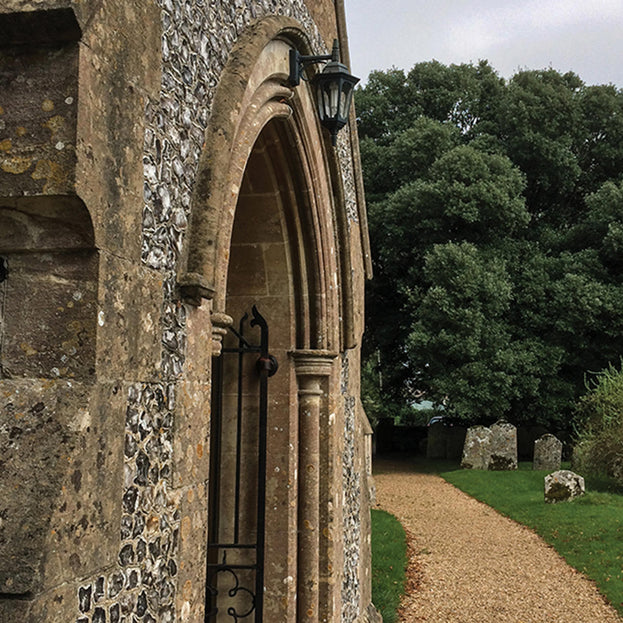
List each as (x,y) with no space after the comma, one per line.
(50,294)
(324,16)
(33,443)
(48,288)
(191,455)
(477,448)
(84,527)
(57,604)
(204,335)
(562,486)
(193,538)
(60,449)
(547,453)
(15,610)
(129,342)
(120,76)
(38,112)
(503,447)
(44,224)
(109,154)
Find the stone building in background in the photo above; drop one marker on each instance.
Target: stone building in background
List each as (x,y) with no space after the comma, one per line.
(158,180)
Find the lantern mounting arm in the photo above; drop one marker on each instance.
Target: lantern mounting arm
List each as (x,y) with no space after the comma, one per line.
(298,63)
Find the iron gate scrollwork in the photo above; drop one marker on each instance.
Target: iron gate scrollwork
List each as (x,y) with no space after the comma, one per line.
(235,553)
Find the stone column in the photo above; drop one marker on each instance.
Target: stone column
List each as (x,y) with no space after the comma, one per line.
(312,371)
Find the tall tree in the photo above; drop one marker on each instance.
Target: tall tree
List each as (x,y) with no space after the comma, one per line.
(496,220)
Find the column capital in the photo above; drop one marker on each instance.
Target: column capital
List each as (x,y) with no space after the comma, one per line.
(313,363)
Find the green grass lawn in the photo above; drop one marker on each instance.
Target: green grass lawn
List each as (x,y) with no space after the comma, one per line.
(587,532)
(389,561)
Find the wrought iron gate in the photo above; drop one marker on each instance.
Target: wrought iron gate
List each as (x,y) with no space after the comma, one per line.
(235,565)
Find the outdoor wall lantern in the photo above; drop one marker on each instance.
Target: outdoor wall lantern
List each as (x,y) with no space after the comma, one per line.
(333,87)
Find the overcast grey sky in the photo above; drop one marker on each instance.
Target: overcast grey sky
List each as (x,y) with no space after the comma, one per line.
(584,36)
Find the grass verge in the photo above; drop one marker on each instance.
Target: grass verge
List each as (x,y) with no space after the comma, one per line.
(389,561)
(587,532)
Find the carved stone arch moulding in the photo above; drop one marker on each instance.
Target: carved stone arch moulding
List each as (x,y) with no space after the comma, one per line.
(253,92)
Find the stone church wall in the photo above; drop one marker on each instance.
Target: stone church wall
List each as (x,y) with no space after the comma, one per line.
(104,422)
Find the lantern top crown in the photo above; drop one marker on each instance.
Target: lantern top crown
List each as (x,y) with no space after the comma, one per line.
(334,63)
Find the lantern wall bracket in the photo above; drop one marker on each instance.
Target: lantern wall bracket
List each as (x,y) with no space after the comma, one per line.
(298,63)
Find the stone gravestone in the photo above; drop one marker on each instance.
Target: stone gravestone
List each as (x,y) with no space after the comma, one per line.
(563,485)
(503,447)
(547,453)
(477,448)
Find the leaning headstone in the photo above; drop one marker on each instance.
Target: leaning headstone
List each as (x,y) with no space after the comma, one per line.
(503,447)
(563,485)
(547,453)
(436,441)
(477,448)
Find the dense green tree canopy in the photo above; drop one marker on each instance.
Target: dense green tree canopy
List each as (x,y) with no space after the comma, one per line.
(496,220)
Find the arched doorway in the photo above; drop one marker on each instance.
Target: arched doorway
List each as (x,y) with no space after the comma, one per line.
(259,277)
(274,265)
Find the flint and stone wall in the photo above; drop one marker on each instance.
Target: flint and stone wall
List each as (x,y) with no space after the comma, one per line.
(104,436)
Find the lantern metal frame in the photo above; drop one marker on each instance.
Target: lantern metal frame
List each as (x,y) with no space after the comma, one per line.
(333,87)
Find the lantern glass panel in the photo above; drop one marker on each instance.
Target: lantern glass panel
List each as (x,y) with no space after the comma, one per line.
(329,103)
(334,99)
(347,94)
(320,99)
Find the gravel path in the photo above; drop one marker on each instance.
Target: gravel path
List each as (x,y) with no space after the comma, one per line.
(471,565)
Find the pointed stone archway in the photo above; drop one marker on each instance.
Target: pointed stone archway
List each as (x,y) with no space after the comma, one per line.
(268,229)
(252,94)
